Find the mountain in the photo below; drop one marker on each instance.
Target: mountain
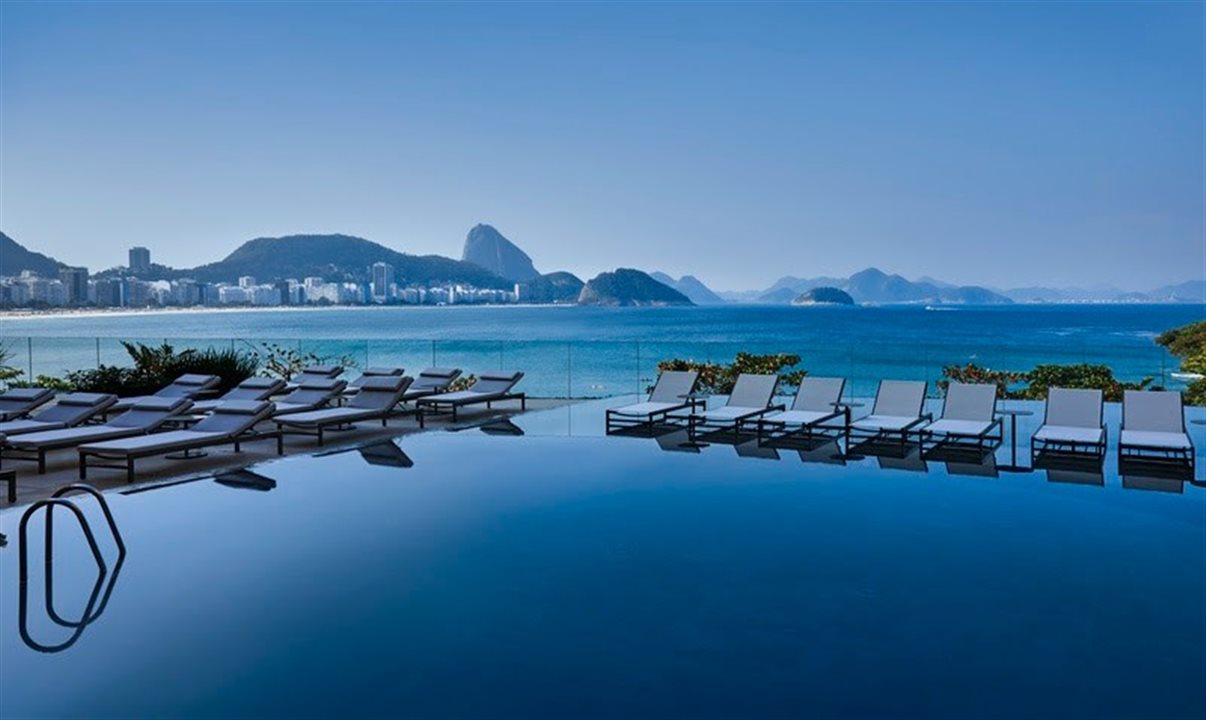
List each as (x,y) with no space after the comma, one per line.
(15,258)
(1192,291)
(336,258)
(627,287)
(824,296)
(487,248)
(690,286)
(555,287)
(877,287)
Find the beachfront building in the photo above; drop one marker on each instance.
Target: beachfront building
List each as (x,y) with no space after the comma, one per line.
(140,259)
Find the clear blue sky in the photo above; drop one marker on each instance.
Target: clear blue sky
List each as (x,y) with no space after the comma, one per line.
(995,143)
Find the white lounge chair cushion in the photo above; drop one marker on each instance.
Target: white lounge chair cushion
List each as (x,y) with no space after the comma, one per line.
(1164,440)
(728,413)
(884,422)
(166,441)
(970,428)
(646,408)
(799,417)
(1066,433)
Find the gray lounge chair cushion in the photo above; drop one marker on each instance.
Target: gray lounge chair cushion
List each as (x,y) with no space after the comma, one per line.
(1153,411)
(67,437)
(1069,407)
(29,425)
(329,416)
(249,389)
(970,401)
(196,381)
(75,408)
(19,401)
(753,391)
(325,371)
(819,394)
(380,393)
(235,417)
(727,414)
(166,442)
(150,413)
(899,399)
(445,373)
(672,385)
(488,385)
(309,395)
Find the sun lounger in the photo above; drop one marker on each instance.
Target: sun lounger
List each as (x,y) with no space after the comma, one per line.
(70,410)
(310,395)
(311,373)
(1072,426)
(898,411)
(146,416)
(376,401)
(431,381)
(489,388)
(232,423)
(256,389)
(751,399)
(969,417)
(817,402)
(670,394)
(19,402)
(1153,429)
(372,372)
(189,386)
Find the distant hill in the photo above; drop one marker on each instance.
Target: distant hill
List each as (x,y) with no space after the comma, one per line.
(15,259)
(555,287)
(824,296)
(487,248)
(336,258)
(628,287)
(1192,291)
(877,287)
(690,286)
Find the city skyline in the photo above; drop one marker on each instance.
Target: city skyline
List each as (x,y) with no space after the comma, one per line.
(734,143)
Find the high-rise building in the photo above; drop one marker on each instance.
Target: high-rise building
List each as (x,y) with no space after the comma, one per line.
(383,279)
(140,260)
(75,284)
(247,282)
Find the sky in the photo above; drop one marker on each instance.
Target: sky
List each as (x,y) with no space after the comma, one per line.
(1004,144)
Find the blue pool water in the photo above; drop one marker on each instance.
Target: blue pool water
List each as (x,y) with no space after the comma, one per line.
(587,352)
(560,573)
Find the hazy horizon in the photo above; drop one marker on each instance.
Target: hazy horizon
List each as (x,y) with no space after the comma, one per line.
(1004,145)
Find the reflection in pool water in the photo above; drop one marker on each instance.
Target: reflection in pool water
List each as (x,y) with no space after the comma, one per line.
(469,574)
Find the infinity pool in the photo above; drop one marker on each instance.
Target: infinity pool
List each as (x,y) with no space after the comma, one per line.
(488,574)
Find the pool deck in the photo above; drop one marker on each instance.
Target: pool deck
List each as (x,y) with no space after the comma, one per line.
(62,466)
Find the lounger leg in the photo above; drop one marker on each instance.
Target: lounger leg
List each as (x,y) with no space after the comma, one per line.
(454,411)
(419,415)
(130,469)
(280,443)
(10,477)
(523,402)
(320,436)
(83,466)
(41,462)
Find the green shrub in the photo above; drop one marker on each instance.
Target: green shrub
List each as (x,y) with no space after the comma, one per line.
(1189,344)
(1005,380)
(719,379)
(155,367)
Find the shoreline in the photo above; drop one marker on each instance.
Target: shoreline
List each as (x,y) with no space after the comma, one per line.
(241,309)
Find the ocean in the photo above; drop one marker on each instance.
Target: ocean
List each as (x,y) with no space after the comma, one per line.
(587,351)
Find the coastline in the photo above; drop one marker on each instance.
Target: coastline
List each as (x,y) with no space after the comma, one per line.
(58,313)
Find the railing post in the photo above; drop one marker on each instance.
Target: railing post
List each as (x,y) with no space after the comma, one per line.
(98,352)
(569,370)
(29,355)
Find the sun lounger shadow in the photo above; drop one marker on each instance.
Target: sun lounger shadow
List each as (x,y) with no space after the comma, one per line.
(245,479)
(385,454)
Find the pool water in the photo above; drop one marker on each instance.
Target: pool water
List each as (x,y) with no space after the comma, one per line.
(491,574)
